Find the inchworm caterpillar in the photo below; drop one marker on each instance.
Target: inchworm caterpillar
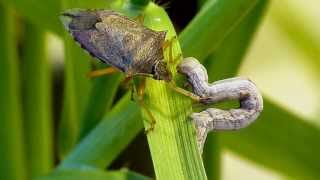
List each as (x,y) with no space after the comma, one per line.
(213,119)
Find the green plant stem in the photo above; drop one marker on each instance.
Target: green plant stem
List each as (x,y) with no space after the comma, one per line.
(36,102)
(108,139)
(211,25)
(12,164)
(172,142)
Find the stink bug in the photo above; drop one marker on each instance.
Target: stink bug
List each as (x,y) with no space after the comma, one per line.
(122,43)
(119,41)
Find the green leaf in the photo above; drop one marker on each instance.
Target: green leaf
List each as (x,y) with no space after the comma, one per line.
(172,142)
(212,156)
(100,100)
(93,174)
(302,33)
(102,145)
(76,91)
(275,139)
(211,25)
(12,164)
(36,88)
(279,140)
(43,14)
(46,14)
(224,63)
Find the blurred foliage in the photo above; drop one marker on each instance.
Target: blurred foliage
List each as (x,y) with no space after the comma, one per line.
(98,120)
(94,174)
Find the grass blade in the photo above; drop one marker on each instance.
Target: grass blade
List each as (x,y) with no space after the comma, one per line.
(43,14)
(46,14)
(93,174)
(212,157)
(105,142)
(12,165)
(280,141)
(76,90)
(211,25)
(227,58)
(224,63)
(254,143)
(302,33)
(36,102)
(100,100)
(172,143)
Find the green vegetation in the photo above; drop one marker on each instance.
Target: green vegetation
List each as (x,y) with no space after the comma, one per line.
(95,120)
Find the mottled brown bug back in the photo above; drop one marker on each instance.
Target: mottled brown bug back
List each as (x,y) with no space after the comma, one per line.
(118,41)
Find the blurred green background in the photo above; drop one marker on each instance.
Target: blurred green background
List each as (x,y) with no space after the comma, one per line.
(45,97)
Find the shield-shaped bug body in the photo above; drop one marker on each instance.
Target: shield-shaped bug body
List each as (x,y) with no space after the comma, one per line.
(119,41)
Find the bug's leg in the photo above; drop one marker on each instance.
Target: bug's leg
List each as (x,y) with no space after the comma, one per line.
(128,83)
(169,44)
(184,92)
(140,93)
(101,72)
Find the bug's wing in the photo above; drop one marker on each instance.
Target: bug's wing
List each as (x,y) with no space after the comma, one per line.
(150,50)
(100,43)
(141,46)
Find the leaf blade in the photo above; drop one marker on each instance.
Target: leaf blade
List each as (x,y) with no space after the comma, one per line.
(36,84)
(12,165)
(93,174)
(275,141)
(211,25)
(106,141)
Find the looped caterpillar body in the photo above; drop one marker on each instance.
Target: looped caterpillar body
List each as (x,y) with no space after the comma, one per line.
(213,119)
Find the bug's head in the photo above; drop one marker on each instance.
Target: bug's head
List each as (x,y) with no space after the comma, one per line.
(161,72)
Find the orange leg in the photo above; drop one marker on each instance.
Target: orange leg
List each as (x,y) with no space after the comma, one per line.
(169,44)
(174,61)
(101,72)
(184,92)
(140,93)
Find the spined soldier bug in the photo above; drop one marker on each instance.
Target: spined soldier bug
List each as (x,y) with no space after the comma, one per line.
(119,41)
